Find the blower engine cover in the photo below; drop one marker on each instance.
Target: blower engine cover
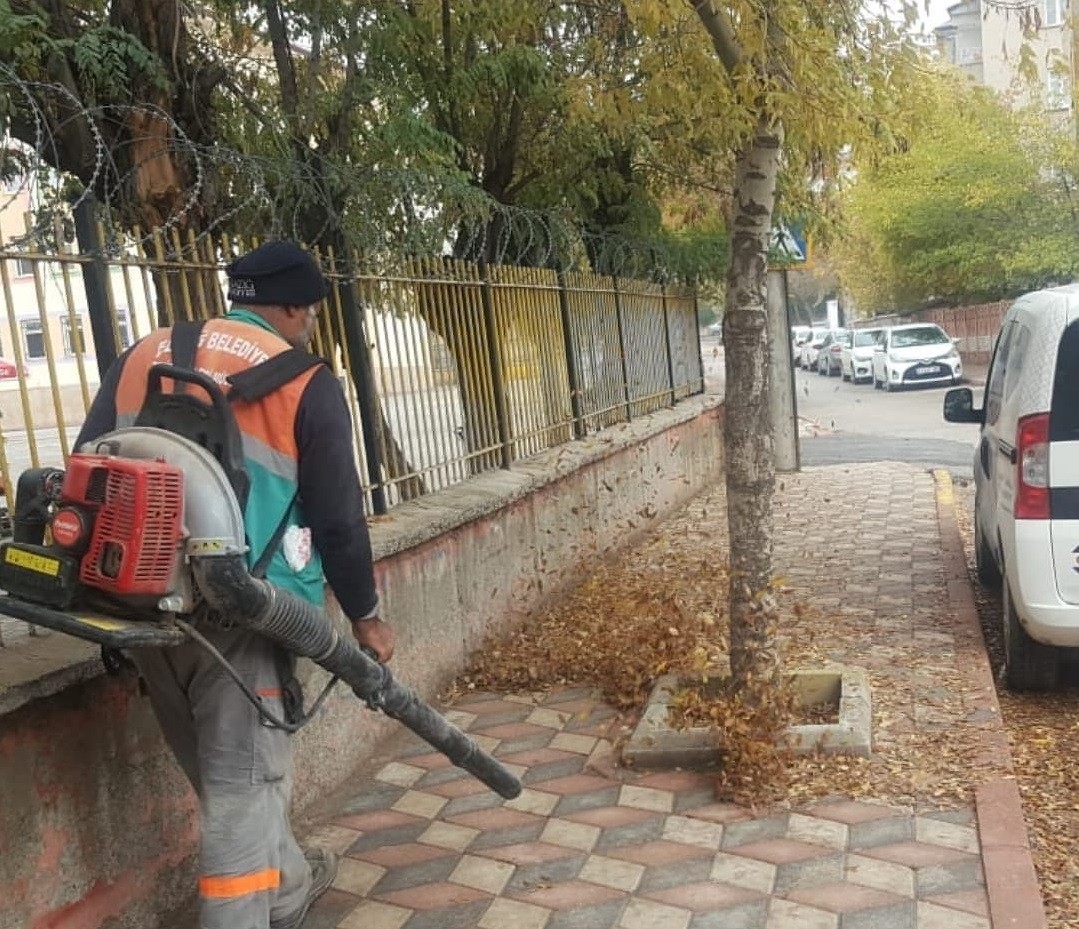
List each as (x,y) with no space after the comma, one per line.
(116,527)
(137,510)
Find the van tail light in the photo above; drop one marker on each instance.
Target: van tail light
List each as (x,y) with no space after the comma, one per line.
(1032,457)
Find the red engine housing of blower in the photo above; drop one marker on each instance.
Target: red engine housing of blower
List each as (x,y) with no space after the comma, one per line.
(126,514)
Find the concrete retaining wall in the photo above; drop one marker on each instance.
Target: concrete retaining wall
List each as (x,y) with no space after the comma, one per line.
(97,827)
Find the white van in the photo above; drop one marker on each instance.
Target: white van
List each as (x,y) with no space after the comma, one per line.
(1026,472)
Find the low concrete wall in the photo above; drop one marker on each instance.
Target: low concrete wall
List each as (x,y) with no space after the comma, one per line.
(97,826)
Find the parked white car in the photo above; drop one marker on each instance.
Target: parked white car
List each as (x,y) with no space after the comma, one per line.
(811,348)
(1026,476)
(799,334)
(830,356)
(918,353)
(857,360)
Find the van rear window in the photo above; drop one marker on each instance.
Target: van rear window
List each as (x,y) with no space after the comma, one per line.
(1064,419)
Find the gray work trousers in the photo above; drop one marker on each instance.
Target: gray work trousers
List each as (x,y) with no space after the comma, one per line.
(252,871)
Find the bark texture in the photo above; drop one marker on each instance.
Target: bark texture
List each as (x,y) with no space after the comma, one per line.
(750,452)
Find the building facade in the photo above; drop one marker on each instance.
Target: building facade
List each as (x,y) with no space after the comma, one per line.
(989,41)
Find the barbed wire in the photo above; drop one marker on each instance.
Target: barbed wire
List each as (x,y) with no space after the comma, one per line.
(209,193)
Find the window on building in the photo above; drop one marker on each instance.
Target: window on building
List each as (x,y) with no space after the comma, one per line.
(74,342)
(1057,91)
(24,267)
(1054,12)
(33,338)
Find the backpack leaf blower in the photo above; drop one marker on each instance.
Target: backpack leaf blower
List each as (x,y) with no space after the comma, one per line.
(143,534)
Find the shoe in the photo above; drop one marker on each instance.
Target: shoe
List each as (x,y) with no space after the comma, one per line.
(323,864)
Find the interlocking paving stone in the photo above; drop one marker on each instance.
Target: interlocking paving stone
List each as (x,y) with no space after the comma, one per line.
(374,914)
(647,798)
(703,896)
(471,804)
(688,802)
(383,838)
(663,876)
(504,913)
(786,914)
(433,896)
(882,875)
(881,832)
(357,877)
(401,856)
(744,872)
(603,916)
(529,877)
(975,902)
(448,835)
(494,838)
(482,874)
(949,878)
(808,872)
(748,831)
(334,906)
(528,853)
(559,768)
(648,914)
(404,877)
(782,851)
(570,834)
(931,916)
(451,917)
(374,797)
(693,832)
(631,834)
(610,817)
(568,895)
(657,852)
(610,872)
(916,854)
(594,799)
(751,915)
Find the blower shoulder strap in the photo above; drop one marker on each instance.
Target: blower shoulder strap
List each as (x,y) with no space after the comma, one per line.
(185,342)
(254,384)
(263,379)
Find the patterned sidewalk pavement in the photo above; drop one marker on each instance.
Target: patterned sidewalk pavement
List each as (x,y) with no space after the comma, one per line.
(590,845)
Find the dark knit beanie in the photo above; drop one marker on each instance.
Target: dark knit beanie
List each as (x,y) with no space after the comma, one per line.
(277,273)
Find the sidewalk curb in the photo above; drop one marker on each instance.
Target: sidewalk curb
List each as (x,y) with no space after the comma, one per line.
(1015,899)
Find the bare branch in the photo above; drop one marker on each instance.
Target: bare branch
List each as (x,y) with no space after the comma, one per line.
(718,26)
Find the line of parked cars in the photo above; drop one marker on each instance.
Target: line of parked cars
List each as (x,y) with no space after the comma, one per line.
(891,357)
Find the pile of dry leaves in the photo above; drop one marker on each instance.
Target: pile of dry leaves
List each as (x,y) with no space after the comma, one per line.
(660,606)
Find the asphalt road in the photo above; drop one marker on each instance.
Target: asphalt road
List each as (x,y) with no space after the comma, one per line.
(842,423)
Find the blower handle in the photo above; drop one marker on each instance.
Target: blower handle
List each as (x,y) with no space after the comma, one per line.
(188,376)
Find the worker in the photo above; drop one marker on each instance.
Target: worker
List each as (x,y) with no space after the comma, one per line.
(304,512)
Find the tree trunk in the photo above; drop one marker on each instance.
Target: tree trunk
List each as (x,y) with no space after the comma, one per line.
(750,454)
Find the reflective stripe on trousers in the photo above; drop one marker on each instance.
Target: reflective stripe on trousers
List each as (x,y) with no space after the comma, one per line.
(252,870)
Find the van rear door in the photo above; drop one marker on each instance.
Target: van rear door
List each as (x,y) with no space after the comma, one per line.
(1064,463)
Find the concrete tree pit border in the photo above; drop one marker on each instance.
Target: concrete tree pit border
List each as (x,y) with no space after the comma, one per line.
(656,744)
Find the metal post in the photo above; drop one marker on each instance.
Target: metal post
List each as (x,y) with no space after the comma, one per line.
(494,356)
(783,403)
(667,339)
(579,430)
(697,336)
(363,376)
(95,281)
(621,345)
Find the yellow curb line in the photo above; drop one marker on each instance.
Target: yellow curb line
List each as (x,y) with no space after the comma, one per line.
(945,487)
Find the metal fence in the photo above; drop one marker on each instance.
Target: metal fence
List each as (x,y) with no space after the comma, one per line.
(460,367)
